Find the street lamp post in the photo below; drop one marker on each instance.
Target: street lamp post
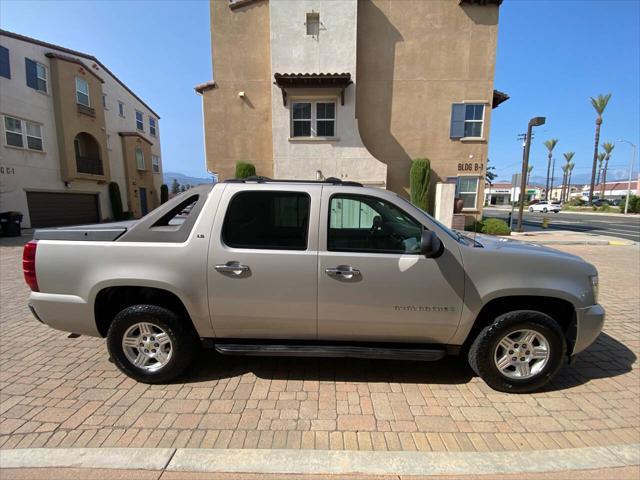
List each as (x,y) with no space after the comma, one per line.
(633,157)
(553,172)
(534,122)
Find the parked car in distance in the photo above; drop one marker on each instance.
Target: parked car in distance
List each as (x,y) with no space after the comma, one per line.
(545,206)
(599,202)
(314,269)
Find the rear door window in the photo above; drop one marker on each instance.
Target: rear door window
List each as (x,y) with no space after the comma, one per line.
(267,220)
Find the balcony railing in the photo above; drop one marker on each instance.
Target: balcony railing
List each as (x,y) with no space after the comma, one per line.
(89,165)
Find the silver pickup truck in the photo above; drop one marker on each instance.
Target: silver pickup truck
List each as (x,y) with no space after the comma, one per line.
(328,269)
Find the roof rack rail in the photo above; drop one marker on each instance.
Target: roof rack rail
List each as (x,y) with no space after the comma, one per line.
(260,179)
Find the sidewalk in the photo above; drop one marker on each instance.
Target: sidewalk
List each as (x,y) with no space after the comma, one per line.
(168,463)
(567,237)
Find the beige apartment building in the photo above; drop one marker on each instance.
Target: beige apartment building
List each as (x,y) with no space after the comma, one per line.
(69,128)
(353,89)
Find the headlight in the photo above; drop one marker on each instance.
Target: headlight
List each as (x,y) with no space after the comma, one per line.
(594,287)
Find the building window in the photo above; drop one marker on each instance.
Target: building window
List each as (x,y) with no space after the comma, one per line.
(467,190)
(467,120)
(139,159)
(82,92)
(313,24)
(104,101)
(155,163)
(121,109)
(267,220)
(5,67)
(313,119)
(36,75)
(34,136)
(19,133)
(139,121)
(152,126)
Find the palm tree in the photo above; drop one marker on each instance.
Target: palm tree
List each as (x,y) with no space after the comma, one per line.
(567,156)
(565,169)
(608,148)
(570,169)
(529,169)
(550,144)
(601,156)
(599,104)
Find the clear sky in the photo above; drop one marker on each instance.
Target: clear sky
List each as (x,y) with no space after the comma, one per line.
(552,56)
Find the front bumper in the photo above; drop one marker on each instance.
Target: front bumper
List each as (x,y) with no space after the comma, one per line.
(588,325)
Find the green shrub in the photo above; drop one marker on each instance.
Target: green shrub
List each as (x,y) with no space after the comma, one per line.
(419,180)
(634,204)
(116,200)
(475,226)
(575,202)
(164,193)
(245,170)
(604,208)
(495,226)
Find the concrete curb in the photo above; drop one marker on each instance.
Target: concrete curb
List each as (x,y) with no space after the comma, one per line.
(323,462)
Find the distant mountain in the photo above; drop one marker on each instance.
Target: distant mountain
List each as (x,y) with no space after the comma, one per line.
(184,179)
(576,179)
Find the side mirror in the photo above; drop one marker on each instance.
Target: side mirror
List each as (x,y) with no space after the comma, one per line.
(430,244)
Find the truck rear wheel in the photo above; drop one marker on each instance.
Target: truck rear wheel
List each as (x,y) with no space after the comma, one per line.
(519,352)
(150,344)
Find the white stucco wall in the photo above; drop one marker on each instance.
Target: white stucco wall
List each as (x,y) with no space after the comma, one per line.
(23,170)
(333,51)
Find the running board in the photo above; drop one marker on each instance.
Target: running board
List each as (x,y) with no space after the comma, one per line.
(338,351)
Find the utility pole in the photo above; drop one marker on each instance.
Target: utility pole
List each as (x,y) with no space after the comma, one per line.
(633,156)
(553,172)
(534,122)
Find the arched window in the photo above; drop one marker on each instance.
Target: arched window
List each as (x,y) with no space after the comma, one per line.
(87,150)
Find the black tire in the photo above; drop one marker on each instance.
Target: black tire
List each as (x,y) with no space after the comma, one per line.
(481,353)
(184,342)
(530,209)
(544,210)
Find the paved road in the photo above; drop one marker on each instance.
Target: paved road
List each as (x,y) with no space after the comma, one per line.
(627,227)
(57,391)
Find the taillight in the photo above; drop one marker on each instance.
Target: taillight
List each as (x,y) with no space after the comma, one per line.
(29,265)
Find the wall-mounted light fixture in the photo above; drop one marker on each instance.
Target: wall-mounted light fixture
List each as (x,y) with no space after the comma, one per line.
(241,94)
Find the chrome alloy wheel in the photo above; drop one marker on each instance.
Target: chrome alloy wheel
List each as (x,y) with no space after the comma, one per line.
(147,346)
(522,354)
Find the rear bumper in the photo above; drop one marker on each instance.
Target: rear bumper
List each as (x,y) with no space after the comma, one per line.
(588,325)
(68,313)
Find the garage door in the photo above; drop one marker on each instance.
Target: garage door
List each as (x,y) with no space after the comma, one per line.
(48,209)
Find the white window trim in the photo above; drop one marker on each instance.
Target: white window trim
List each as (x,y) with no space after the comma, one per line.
(23,133)
(141,121)
(314,119)
(121,113)
(484,109)
(83,93)
(153,131)
(155,163)
(143,162)
(475,206)
(45,79)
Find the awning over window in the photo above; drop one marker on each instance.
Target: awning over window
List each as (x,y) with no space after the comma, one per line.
(338,81)
(498,98)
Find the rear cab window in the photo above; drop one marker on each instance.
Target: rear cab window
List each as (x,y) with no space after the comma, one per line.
(269,220)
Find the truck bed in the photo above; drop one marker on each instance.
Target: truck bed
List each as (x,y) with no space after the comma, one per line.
(99,232)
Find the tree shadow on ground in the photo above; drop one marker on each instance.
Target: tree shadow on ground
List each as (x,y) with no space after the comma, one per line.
(606,358)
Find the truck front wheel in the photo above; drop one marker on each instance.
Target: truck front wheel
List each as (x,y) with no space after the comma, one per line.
(519,352)
(150,344)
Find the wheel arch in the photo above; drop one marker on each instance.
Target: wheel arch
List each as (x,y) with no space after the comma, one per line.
(560,310)
(113,299)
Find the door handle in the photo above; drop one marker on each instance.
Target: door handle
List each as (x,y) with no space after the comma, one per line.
(343,271)
(232,267)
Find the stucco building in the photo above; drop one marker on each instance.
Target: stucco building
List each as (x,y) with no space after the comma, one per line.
(69,128)
(353,89)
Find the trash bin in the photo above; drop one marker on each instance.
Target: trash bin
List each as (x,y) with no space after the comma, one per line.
(10,223)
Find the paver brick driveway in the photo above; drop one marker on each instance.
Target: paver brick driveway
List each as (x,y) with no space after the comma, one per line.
(57,391)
